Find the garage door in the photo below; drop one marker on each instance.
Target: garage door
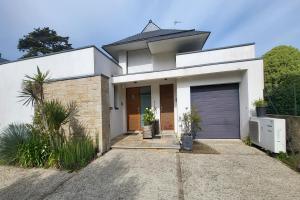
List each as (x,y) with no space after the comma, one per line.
(218,106)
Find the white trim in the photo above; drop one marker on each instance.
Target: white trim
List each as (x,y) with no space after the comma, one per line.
(184,72)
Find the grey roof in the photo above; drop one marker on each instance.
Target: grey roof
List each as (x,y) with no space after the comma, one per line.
(2,60)
(156,35)
(64,51)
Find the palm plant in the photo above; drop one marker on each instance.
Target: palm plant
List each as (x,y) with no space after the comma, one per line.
(49,116)
(33,88)
(33,93)
(44,143)
(58,115)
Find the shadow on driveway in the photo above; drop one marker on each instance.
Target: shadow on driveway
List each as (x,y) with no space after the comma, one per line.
(19,183)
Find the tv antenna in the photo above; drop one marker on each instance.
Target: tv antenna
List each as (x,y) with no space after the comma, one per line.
(176,22)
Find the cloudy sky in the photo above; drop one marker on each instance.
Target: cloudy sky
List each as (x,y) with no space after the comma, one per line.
(266,22)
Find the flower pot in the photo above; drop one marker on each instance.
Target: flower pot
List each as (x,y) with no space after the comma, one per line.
(187,142)
(261,111)
(148,131)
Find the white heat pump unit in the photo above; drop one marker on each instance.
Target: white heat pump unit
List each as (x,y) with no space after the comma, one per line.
(268,133)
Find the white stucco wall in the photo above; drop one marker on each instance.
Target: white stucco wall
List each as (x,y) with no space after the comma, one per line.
(214,56)
(73,63)
(139,61)
(123,61)
(163,61)
(142,60)
(105,66)
(251,86)
(248,73)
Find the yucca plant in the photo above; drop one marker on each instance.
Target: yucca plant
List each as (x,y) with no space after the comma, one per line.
(47,145)
(33,88)
(11,139)
(32,93)
(58,115)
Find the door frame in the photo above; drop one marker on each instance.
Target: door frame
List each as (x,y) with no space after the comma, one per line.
(139,109)
(127,114)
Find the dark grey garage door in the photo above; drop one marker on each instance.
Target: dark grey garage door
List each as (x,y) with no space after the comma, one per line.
(218,106)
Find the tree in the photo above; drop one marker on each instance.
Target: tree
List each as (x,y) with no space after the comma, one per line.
(41,42)
(282,80)
(278,62)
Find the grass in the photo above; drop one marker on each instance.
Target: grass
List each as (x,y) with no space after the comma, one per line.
(293,161)
(2,162)
(247,141)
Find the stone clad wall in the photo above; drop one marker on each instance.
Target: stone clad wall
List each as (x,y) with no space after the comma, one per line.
(91,96)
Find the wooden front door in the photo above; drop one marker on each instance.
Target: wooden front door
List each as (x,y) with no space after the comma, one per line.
(167,107)
(133,109)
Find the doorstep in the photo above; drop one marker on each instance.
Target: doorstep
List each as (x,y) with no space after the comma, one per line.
(136,141)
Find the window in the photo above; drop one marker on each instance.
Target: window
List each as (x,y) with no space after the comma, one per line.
(116,97)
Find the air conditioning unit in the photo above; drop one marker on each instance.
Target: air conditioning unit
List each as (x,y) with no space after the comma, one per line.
(268,133)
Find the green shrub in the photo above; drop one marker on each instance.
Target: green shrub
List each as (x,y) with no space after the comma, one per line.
(260,103)
(247,141)
(35,152)
(149,116)
(44,143)
(191,122)
(293,161)
(282,79)
(11,139)
(76,153)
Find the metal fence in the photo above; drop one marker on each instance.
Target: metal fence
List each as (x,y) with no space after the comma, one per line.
(284,100)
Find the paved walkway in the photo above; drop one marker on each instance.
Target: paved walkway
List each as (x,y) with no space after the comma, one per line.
(215,170)
(136,141)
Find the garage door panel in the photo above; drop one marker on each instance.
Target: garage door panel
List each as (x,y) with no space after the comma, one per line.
(218,106)
(218,110)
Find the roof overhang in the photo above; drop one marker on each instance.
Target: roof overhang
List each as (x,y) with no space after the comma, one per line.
(114,50)
(178,43)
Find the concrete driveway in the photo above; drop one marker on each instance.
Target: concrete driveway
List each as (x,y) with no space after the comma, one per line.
(215,170)
(236,171)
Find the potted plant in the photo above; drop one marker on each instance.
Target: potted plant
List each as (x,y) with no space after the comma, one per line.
(260,106)
(148,118)
(190,125)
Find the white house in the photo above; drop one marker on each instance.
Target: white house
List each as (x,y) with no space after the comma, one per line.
(168,70)
(165,69)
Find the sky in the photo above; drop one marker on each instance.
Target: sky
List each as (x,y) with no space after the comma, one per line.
(268,23)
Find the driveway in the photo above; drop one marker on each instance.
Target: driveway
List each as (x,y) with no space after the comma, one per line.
(236,171)
(215,170)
